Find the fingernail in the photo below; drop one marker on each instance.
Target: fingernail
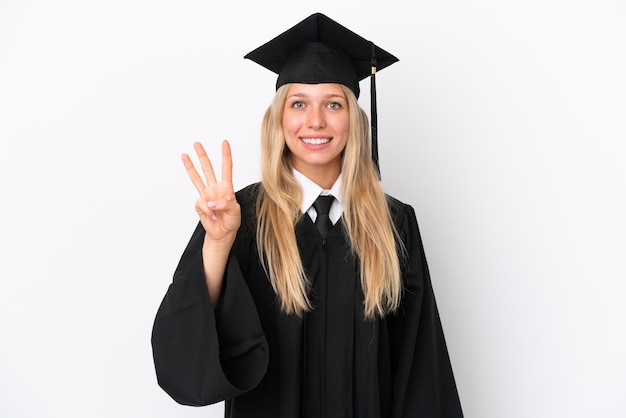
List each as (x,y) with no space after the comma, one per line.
(212,205)
(214,217)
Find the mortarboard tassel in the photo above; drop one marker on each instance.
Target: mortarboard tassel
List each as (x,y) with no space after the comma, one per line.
(373,123)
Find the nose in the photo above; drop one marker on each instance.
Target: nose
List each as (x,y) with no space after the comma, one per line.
(316,119)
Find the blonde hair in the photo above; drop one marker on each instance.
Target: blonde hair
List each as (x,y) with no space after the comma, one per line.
(367,220)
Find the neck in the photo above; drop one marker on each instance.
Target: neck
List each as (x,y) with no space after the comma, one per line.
(322,176)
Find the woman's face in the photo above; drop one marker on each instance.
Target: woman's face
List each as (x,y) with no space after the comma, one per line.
(316,122)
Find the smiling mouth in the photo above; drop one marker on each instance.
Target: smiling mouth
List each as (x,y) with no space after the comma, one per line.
(315,141)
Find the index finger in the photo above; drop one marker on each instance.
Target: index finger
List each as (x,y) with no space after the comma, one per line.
(227,162)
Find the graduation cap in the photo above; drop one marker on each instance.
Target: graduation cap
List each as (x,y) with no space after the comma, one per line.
(320,50)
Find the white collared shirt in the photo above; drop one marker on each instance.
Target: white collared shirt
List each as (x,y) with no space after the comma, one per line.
(310,191)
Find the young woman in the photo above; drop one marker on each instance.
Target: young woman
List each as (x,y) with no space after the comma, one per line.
(279,316)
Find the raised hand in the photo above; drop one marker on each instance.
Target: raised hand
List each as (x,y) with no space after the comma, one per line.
(217,206)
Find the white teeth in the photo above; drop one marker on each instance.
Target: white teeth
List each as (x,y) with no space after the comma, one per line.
(315,141)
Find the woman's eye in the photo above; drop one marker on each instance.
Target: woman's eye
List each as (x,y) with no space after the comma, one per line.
(334,105)
(297,105)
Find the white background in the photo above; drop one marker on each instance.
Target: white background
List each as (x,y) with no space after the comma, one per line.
(503,124)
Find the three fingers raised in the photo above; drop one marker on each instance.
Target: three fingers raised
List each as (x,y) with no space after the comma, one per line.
(207,167)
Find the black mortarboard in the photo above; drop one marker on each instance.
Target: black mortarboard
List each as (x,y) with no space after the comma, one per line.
(320,50)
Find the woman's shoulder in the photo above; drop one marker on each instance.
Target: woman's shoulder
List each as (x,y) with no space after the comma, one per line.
(399,209)
(248,194)
(247,198)
(405,220)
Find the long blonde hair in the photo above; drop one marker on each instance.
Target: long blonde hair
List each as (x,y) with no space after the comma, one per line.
(366,216)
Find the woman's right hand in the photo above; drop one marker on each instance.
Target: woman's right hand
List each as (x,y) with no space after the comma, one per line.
(219,213)
(217,206)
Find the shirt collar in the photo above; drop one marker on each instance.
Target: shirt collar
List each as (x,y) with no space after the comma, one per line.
(310,190)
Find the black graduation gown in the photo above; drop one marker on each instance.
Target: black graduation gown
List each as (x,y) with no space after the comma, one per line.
(331,363)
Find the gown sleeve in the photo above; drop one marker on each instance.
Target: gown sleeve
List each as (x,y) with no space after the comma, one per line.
(424,384)
(203,356)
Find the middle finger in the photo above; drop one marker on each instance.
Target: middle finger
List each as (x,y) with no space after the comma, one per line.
(205,163)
